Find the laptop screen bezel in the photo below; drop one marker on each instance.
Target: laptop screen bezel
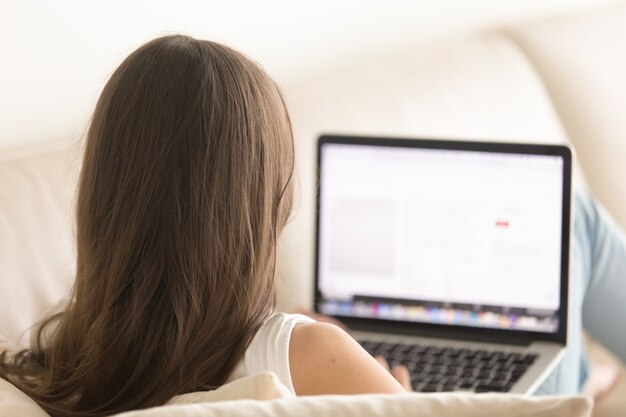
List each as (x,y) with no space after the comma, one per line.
(445,330)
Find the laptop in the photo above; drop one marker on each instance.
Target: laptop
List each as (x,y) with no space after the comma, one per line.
(449,257)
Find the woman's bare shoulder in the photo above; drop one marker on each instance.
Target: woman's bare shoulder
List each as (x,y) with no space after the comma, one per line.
(324,359)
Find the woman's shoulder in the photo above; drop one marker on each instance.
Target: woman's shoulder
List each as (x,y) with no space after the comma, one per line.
(324,359)
(269,348)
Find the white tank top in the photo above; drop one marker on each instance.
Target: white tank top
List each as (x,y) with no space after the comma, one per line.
(269,349)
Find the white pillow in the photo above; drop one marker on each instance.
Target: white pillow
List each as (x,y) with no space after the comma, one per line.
(384,405)
(241,398)
(261,386)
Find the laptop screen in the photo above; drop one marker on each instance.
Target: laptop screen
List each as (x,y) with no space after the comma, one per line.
(443,236)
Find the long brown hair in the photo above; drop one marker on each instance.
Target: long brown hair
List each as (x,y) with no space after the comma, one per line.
(183,190)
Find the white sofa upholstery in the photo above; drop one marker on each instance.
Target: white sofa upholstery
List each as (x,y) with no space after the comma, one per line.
(582,61)
(530,82)
(263,395)
(37,188)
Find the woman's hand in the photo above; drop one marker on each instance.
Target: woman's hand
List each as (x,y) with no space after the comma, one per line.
(399,372)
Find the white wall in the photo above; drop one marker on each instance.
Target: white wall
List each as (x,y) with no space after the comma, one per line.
(56,55)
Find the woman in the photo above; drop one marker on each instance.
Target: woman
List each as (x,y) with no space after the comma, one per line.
(184,189)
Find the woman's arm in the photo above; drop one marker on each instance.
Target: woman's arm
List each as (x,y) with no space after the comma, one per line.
(324,359)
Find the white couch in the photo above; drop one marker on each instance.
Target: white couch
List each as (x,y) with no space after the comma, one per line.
(557,80)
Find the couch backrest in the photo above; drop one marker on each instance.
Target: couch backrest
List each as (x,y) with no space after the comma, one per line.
(37,189)
(479,88)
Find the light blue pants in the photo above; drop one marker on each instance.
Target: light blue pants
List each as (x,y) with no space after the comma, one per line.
(597,293)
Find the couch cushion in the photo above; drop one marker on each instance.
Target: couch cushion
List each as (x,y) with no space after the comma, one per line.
(582,60)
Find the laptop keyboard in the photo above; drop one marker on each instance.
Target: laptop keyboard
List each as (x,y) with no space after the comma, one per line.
(437,369)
